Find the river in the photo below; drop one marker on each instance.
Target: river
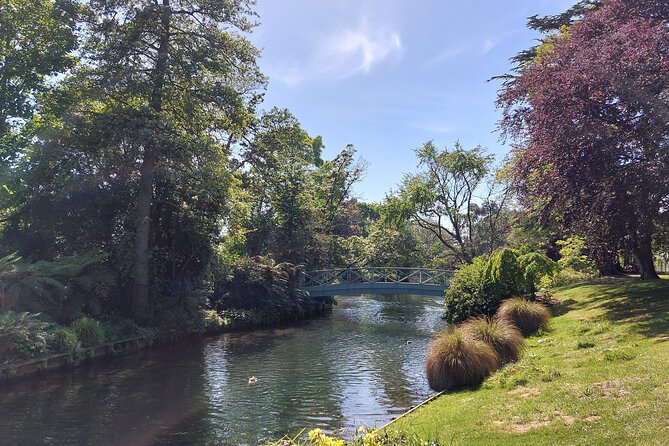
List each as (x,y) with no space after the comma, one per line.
(360,365)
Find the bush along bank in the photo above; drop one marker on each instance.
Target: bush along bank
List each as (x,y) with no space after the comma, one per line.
(466,354)
(257,293)
(480,287)
(30,343)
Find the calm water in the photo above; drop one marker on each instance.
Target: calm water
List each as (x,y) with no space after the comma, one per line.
(352,368)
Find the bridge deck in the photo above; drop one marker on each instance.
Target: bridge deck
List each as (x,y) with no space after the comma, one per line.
(375,280)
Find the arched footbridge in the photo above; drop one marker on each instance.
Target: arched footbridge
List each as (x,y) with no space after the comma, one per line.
(375,280)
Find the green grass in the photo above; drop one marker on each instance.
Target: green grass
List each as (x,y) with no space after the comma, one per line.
(600,376)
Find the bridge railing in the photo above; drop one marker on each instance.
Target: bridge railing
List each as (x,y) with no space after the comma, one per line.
(342,276)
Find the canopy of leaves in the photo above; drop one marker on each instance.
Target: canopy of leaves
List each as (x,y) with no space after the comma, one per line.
(591,121)
(455,198)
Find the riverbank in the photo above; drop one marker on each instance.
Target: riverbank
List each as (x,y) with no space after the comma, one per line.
(112,344)
(599,376)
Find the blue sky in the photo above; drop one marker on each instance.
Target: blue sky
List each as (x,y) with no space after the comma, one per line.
(388,75)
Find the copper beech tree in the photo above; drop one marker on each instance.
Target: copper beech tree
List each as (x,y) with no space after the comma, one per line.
(590,117)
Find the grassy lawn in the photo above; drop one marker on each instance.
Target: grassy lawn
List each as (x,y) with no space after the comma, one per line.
(600,376)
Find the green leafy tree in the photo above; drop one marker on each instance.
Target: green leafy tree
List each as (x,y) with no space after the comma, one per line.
(275,161)
(186,80)
(37,38)
(449,199)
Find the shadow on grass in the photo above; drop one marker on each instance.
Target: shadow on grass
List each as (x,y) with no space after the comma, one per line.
(645,304)
(563,307)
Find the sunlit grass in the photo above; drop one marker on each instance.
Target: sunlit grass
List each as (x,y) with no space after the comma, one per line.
(599,376)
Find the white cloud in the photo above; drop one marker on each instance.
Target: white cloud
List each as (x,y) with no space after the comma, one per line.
(482,46)
(346,53)
(434,127)
(487,45)
(450,53)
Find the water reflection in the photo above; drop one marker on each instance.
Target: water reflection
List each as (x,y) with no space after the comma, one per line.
(353,367)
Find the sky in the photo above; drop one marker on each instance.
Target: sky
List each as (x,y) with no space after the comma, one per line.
(389,75)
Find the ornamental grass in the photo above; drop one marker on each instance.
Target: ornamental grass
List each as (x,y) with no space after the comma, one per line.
(528,316)
(455,359)
(501,334)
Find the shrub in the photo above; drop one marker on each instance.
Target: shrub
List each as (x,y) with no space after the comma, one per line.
(573,266)
(504,276)
(466,292)
(502,335)
(528,316)
(120,329)
(480,287)
(22,334)
(536,267)
(456,360)
(566,276)
(64,340)
(211,320)
(88,331)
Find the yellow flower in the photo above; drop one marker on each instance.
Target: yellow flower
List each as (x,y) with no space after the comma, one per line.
(314,433)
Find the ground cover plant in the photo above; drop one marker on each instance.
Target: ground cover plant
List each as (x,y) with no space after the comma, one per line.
(600,376)
(501,334)
(525,314)
(455,359)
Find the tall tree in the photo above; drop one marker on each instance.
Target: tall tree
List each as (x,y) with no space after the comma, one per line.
(451,197)
(275,160)
(590,116)
(186,72)
(36,41)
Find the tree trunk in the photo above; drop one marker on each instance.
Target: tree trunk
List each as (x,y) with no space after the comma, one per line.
(141,299)
(643,255)
(141,303)
(610,266)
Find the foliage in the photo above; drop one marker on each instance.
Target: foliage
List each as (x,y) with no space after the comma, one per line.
(549,26)
(607,176)
(120,329)
(536,267)
(64,340)
(441,199)
(466,295)
(502,335)
(62,287)
(479,288)
(258,291)
(373,437)
(211,321)
(23,334)
(298,206)
(36,38)
(387,246)
(528,316)
(504,275)
(457,360)
(573,267)
(88,331)
(572,255)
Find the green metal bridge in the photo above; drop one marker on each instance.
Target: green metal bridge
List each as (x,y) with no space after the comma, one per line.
(375,280)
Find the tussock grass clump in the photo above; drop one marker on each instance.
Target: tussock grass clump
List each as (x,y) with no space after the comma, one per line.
(528,316)
(501,334)
(455,359)
(88,331)
(64,340)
